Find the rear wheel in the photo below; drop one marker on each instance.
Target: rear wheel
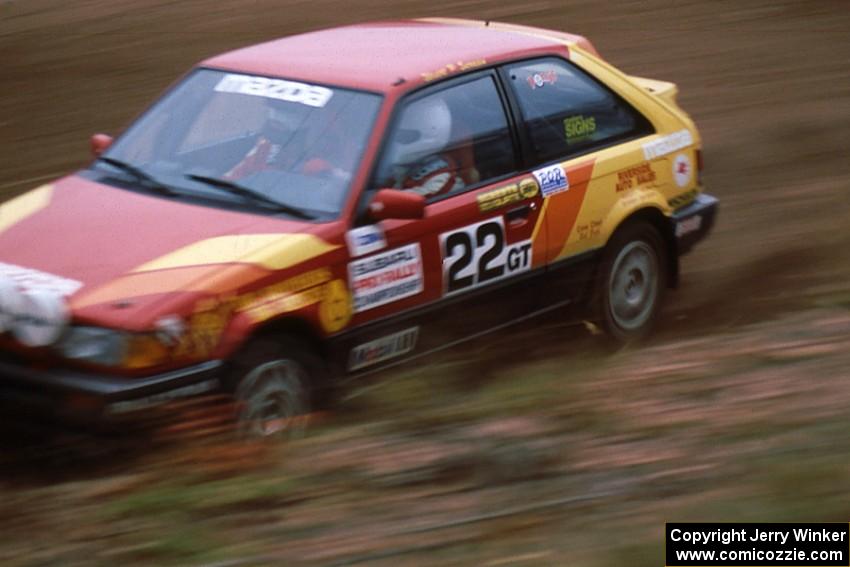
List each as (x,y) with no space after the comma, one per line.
(631,282)
(274,382)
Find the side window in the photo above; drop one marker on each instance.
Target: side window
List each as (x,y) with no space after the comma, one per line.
(448,140)
(566,112)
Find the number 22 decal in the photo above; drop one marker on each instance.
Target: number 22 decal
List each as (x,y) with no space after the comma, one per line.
(476,255)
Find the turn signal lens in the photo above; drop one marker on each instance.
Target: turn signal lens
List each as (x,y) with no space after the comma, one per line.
(144,351)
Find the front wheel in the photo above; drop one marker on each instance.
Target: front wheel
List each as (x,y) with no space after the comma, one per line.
(632,282)
(274,380)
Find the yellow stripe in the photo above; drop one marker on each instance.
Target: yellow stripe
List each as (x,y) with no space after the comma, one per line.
(14,211)
(271,251)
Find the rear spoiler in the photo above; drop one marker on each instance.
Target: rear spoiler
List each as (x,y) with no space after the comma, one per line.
(661,89)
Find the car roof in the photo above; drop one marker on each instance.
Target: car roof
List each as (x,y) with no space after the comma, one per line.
(379,56)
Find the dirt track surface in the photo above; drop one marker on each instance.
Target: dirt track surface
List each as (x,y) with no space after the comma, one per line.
(738,410)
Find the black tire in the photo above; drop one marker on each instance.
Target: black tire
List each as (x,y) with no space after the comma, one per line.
(631,282)
(274,380)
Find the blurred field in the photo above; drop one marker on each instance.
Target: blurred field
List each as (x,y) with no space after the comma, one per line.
(737,411)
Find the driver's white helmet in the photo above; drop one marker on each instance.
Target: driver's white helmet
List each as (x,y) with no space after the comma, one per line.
(424,130)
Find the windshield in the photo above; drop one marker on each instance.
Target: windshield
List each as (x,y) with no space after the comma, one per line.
(297,144)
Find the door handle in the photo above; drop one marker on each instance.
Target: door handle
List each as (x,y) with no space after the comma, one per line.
(519,215)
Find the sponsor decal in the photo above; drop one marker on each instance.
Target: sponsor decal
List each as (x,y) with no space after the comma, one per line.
(552,180)
(539,80)
(28,279)
(450,68)
(289,91)
(683,198)
(513,193)
(386,277)
(477,255)
(365,240)
(384,348)
(335,308)
(667,144)
(528,188)
(289,295)
(211,316)
(635,176)
(204,328)
(589,230)
(578,128)
(687,226)
(682,170)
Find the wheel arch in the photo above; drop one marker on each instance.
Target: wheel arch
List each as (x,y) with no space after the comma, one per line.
(242,333)
(653,216)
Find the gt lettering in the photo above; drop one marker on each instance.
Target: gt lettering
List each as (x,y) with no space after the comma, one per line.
(518,257)
(477,255)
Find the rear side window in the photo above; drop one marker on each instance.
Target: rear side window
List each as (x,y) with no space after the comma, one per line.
(566,112)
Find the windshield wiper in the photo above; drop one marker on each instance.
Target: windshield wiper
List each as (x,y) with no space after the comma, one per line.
(141,175)
(250,195)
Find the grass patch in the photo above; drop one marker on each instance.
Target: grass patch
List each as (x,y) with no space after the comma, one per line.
(189,496)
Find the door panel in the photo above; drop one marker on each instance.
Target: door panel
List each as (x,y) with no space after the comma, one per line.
(477,268)
(481,235)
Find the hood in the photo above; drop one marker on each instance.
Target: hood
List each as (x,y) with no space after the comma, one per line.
(97,245)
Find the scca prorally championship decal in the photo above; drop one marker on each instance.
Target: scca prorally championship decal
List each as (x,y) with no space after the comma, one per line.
(386,277)
(668,144)
(383,348)
(552,180)
(478,255)
(289,91)
(365,240)
(29,279)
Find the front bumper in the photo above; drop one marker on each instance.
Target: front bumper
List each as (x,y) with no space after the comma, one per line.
(79,396)
(693,222)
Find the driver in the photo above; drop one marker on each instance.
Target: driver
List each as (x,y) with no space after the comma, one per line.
(278,132)
(419,155)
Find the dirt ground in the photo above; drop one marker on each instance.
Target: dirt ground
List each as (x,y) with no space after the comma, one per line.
(743,385)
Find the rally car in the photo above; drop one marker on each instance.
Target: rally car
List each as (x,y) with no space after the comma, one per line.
(332,203)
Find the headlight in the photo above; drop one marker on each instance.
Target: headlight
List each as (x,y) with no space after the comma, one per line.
(108,347)
(94,344)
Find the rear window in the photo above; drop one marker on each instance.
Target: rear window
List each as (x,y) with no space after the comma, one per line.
(566,112)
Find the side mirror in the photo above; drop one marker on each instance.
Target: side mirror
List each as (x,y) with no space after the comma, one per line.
(98,143)
(395,204)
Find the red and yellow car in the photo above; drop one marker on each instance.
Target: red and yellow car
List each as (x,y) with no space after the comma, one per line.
(335,202)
